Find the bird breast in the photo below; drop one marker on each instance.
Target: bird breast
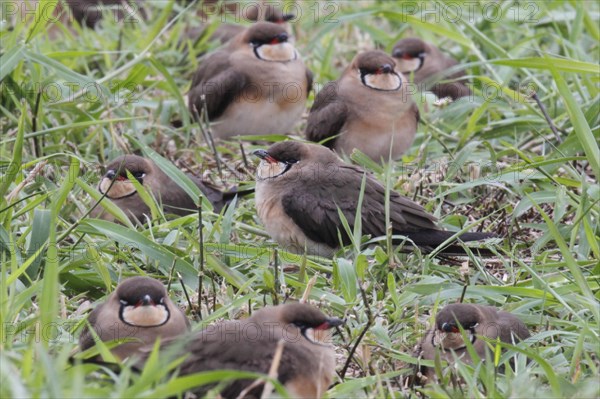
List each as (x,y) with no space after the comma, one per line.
(145,316)
(273,101)
(384,81)
(117,188)
(409,65)
(281,52)
(280,226)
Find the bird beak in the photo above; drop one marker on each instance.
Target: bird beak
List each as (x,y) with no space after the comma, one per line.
(387,68)
(147,300)
(288,17)
(450,328)
(264,155)
(330,323)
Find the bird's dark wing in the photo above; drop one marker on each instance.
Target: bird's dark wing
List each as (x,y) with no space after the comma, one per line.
(315,209)
(417,113)
(218,198)
(453,90)
(86,340)
(218,82)
(309,80)
(215,352)
(327,115)
(512,326)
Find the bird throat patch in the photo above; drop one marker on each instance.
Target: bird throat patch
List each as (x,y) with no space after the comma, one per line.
(408,65)
(383,81)
(451,341)
(145,316)
(117,189)
(270,170)
(280,52)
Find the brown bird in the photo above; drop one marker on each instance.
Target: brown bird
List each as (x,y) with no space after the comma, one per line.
(257,84)
(427,62)
(477,321)
(140,310)
(90,12)
(300,186)
(120,190)
(307,364)
(370,107)
(255,12)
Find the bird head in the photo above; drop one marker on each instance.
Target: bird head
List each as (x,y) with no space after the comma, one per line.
(285,157)
(270,42)
(307,320)
(377,70)
(116,184)
(410,54)
(268,12)
(450,320)
(142,302)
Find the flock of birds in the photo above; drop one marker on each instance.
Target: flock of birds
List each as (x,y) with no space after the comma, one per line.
(257,84)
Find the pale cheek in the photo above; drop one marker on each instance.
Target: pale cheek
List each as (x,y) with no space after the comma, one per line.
(384,81)
(118,189)
(145,316)
(268,170)
(277,52)
(322,336)
(449,340)
(407,66)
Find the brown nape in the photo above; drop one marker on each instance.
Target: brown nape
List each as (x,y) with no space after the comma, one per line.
(258,12)
(135,288)
(301,314)
(263,32)
(410,46)
(463,313)
(132,163)
(290,151)
(372,61)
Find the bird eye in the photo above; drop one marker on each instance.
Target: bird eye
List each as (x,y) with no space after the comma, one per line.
(447,327)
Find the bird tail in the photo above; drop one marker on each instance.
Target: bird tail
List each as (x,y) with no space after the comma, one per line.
(229,195)
(428,240)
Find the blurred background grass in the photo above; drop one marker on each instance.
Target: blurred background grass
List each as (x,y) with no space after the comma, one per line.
(73,98)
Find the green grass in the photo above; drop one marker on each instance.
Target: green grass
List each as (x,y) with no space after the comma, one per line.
(75,98)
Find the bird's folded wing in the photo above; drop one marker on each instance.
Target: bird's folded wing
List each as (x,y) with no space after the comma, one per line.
(218,82)
(327,115)
(315,209)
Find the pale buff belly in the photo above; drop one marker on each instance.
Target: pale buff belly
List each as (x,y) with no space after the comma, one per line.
(317,378)
(262,117)
(282,228)
(376,140)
